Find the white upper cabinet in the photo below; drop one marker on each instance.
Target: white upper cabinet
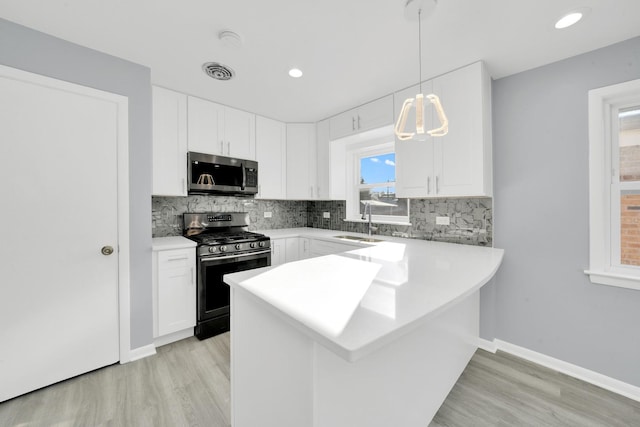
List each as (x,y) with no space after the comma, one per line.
(169,143)
(458,164)
(369,116)
(323,158)
(271,146)
(217,129)
(414,159)
(301,161)
(206,126)
(463,159)
(240,134)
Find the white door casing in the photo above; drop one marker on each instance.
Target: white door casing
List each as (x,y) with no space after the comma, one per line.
(64,306)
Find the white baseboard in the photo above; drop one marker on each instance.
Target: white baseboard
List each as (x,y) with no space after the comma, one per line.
(173,337)
(487,345)
(591,377)
(142,352)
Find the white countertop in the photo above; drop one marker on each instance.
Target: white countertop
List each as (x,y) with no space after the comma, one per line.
(172,242)
(358,301)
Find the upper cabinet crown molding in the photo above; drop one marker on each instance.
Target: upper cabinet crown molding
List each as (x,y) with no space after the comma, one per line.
(368,116)
(218,129)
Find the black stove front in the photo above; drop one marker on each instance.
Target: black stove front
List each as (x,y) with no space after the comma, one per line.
(224,246)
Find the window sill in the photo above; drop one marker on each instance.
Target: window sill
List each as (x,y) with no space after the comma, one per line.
(377,222)
(614,279)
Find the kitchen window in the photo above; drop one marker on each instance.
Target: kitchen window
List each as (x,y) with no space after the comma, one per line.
(372,178)
(614,186)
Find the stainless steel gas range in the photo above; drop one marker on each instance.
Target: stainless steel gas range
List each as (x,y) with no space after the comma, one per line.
(224,246)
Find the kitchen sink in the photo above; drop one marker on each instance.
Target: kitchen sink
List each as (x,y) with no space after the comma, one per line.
(359,239)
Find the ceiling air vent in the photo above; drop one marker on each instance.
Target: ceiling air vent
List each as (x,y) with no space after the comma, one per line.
(218,71)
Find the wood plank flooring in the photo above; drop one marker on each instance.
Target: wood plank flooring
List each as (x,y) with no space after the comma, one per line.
(187,384)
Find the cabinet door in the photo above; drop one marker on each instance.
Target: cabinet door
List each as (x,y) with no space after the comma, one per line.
(323,158)
(343,124)
(304,248)
(271,145)
(414,159)
(239,134)
(375,114)
(460,160)
(292,249)
(176,290)
(278,251)
(323,247)
(205,125)
(169,143)
(301,161)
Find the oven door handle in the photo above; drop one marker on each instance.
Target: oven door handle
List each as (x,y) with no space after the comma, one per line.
(215,258)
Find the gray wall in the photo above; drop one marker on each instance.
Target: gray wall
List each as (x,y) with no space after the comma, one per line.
(541,298)
(29,50)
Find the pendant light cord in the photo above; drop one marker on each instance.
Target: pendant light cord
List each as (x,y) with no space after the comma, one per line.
(420,48)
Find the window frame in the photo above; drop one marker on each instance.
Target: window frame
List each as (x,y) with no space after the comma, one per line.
(604,186)
(355,153)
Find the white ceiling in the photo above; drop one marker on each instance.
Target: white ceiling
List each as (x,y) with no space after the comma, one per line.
(351,51)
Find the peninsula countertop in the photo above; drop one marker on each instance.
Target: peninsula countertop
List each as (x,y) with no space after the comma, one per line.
(358,301)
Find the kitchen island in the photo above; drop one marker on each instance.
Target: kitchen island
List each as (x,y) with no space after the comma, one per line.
(376,336)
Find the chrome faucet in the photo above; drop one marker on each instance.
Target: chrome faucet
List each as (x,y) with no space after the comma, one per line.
(364,216)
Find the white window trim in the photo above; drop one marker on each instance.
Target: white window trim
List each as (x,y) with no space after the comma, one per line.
(354,152)
(603,102)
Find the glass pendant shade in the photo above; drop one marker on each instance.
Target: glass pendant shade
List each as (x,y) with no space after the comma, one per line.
(418,101)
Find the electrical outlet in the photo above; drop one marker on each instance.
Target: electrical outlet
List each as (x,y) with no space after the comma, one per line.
(326,214)
(442,220)
(267,214)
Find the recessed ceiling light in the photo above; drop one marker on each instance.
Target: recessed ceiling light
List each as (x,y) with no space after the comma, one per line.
(572,18)
(295,73)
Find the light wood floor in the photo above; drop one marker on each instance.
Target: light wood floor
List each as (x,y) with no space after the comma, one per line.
(187,384)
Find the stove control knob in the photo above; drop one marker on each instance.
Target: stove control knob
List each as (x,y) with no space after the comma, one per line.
(212,248)
(238,246)
(252,244)
(261,244)
(223,249)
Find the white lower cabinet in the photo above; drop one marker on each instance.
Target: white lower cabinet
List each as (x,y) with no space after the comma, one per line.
(304,248)
(285,250)
(323,247)
(278,251)
(291,249)
(174,290)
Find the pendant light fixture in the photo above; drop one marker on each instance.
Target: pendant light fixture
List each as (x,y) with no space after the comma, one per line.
(422,8)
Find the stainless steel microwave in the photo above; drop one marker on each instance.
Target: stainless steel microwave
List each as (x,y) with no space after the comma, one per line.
(209,173)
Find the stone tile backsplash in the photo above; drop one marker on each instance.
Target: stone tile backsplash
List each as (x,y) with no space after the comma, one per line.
(471,220)
(167,212)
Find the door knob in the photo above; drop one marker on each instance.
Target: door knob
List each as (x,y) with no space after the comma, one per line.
(107,250)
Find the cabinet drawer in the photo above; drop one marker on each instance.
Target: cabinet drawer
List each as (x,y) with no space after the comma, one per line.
(176,258)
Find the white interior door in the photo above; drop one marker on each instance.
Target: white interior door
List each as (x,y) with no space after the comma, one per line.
(59,187)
